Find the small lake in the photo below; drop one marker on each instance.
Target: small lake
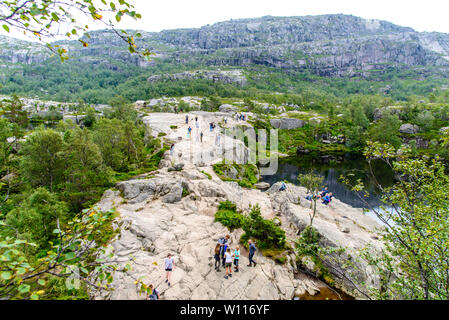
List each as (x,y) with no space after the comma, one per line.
(332,167)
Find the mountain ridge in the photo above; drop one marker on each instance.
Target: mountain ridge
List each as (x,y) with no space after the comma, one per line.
(329,46)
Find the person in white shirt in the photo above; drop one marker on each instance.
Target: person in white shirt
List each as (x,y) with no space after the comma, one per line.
(169,266)
(228,263)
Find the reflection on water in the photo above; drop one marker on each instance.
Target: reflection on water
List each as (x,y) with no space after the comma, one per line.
(332,168)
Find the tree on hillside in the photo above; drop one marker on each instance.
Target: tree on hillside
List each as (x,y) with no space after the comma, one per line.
(75,260)
(386,130)
(313,183)
(413,263)
(47,19)
(36,217)
(12,109)
(85,170)
(42,160)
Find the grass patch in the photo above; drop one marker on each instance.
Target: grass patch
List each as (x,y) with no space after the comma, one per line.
(207,175)
(246,175)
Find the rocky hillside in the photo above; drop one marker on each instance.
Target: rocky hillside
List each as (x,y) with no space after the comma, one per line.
(172,211)
(327,45)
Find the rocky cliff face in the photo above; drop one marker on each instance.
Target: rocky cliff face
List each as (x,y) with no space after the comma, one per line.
(328,45)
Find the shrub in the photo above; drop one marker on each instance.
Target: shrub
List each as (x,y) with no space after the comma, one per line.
(307,243)
(228,216)
(227,205)
(268,234)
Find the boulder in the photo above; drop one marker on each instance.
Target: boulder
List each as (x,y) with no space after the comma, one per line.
(287,123)
(444,130)
(228,108)
(140,104)
(409,128)
(136,191)
(262,185)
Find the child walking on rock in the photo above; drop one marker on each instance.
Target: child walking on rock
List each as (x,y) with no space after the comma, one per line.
(236,258)
(228,263)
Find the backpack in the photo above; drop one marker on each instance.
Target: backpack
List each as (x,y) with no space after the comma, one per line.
(153,295)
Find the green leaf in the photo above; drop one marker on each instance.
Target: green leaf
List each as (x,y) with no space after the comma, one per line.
(6,275)
(24,288)
(6,27)
(70,255)
(55,16)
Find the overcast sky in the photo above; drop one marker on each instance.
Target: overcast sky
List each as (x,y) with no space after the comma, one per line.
(422,15)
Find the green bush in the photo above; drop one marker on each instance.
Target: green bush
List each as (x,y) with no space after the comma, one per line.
(228,216)
(307,244)
(227,205)
(247,174)
(267,234)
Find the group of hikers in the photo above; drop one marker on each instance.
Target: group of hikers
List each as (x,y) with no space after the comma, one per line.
(224,255)
(325,196)
(240,117)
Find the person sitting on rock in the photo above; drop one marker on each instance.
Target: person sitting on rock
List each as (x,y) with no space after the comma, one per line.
(217,256)
(283,186)
(324,192)
(327,198)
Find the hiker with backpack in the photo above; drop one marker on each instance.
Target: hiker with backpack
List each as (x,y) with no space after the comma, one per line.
(154,295)
(223,246)
(169,266)
(252,251)
(217,257)
(189,130)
